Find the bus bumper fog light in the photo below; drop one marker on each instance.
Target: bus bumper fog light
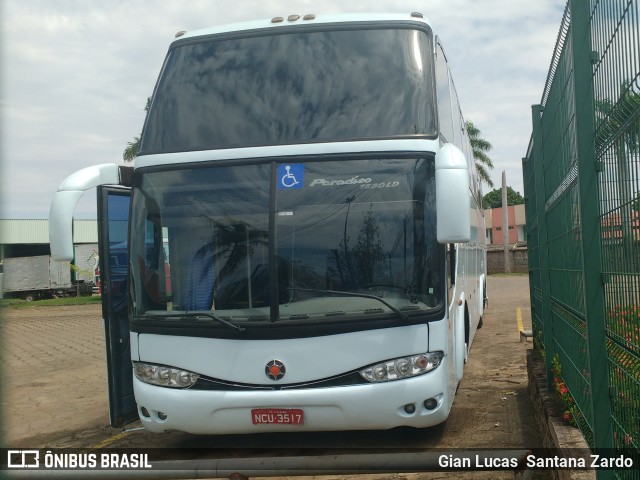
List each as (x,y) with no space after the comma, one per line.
(162,416)
(430,403)
(410,408)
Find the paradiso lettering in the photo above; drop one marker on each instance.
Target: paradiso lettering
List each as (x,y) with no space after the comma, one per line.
(365,183)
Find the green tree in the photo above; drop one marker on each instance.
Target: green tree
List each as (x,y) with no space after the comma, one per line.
(493,199)
(369,252)
(480,148)
(617,140)
(131,150)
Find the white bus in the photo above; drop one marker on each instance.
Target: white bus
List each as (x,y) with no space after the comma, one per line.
(299,244)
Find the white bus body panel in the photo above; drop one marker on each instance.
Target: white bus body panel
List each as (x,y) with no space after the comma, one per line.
(317,19)
(368,406)
(419,146)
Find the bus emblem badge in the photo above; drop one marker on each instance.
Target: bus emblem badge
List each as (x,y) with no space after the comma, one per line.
(275,370)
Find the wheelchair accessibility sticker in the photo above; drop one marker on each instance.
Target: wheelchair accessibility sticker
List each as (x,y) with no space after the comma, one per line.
(290,176)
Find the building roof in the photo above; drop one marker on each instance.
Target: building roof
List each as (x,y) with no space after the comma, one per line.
(14,232)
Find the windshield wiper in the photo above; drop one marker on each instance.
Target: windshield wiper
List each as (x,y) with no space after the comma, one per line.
(393,308)
(184,315)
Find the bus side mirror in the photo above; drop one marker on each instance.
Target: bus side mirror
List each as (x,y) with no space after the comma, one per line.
(452,196)
(65,201)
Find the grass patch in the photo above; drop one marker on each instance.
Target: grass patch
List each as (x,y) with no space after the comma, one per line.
(50,302)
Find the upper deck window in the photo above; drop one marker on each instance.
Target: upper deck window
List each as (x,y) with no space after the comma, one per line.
(295,87)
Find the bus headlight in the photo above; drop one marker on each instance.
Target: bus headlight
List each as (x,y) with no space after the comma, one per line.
(403,367)
(164,376)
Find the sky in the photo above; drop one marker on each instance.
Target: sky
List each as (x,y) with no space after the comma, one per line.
(75,76)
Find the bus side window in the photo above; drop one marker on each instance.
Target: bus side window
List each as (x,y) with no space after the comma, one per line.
(445,110)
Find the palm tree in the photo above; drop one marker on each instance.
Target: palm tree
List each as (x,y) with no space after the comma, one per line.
(480,147)
(232,243)
(131,151)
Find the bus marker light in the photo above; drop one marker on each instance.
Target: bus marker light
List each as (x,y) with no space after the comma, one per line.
(421,361)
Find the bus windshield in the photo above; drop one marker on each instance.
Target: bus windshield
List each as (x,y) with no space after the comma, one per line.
(322,240)
(293,86)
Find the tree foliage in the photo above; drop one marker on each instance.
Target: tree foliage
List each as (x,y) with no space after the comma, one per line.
(493,199)
(480,148)
(131,150)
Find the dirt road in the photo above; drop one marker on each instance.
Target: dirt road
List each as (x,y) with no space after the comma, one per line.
(55,391)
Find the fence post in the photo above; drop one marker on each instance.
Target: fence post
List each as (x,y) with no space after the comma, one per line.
(590,224)
(543,244)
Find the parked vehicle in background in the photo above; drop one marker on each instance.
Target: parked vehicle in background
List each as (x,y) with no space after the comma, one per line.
(32,278)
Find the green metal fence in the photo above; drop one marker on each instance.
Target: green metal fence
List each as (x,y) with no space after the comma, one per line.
(582,189)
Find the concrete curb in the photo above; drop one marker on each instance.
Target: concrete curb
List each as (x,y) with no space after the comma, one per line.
(554,432)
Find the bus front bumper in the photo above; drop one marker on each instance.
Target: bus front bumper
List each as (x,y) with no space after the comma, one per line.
(407,402)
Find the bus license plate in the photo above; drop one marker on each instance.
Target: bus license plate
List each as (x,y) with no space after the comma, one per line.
(271,416)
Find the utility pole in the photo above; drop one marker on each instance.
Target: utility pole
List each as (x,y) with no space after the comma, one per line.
(505,224)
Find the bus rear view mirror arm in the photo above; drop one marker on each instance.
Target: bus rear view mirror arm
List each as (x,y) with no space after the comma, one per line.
(453,196)
(67,197)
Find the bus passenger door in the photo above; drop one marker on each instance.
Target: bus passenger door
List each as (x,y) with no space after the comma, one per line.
(113,223)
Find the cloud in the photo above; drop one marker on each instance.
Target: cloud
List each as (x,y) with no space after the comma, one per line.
(76,75)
